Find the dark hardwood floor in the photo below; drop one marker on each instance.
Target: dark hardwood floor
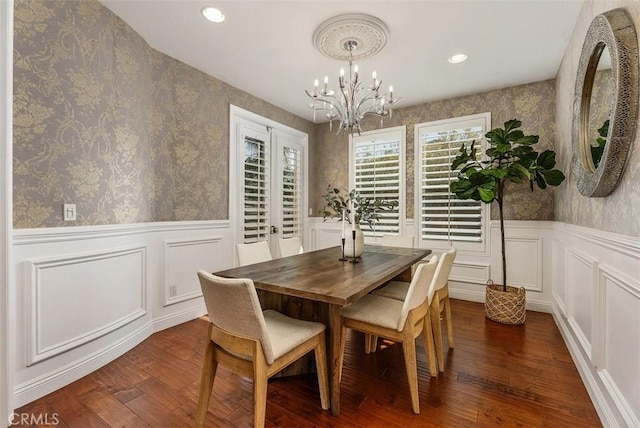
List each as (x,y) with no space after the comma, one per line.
(496,376)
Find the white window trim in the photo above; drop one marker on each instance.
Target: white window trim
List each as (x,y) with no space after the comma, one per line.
(480,248)
(402,133)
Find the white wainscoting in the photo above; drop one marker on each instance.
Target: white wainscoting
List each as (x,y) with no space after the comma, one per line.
(527,255)
(588,279)
(86,295)
(596,304)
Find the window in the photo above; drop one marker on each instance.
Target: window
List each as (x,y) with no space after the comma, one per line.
(377,160)
(255,209)
(291,192)
(442,218)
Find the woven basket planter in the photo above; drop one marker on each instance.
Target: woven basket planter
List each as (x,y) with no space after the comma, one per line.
(505,307)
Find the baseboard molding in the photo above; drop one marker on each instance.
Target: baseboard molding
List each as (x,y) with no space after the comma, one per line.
(604,410)
(171,320)
(52,381)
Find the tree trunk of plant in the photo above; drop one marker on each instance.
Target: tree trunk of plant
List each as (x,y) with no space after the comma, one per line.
(504,256)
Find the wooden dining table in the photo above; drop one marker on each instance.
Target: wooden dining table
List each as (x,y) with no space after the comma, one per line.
(315,285)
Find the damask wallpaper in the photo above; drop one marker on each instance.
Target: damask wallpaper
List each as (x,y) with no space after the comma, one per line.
(533,104)
(618,212)
(131,135)
(104,121)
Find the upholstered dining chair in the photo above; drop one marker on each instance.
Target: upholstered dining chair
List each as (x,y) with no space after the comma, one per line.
(398,321)
(390,240)
(253,343)
(290,246)
(253,253)
(440,305)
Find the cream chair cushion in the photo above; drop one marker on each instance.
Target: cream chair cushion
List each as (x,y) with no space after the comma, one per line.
(394,290)
(288,333)
(374,310)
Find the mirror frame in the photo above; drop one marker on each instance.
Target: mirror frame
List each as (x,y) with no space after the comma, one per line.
(615,31)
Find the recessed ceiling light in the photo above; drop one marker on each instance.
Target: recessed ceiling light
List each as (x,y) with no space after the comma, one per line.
(213,14)
(454,59)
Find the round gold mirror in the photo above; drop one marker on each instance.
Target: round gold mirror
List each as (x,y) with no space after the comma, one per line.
(606,103)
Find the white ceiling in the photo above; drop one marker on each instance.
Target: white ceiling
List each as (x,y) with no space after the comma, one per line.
(266,48)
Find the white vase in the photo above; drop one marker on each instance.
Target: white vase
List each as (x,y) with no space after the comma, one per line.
(348,243)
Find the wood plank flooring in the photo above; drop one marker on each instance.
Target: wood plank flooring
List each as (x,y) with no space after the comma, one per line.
(497,375)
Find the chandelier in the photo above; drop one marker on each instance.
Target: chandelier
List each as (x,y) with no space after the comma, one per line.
(350,37)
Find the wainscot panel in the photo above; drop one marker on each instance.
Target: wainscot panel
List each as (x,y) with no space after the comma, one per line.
(89,294)
(599,316)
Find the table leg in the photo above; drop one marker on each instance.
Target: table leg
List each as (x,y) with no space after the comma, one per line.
(335,332)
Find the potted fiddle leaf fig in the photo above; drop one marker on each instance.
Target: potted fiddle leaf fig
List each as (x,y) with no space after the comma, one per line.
(511,157)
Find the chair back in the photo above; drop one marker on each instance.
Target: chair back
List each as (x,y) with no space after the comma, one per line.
(233,306)
(420,289)
(389,240)
(253,253)
(443,271)
(290,246)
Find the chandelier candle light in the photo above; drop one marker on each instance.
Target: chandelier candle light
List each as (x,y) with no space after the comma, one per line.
(340,38)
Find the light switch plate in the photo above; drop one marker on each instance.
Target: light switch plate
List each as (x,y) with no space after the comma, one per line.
(69,212)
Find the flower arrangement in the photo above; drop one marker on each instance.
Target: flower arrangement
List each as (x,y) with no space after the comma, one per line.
(353,207)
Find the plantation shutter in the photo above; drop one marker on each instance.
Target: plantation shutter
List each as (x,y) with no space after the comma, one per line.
(377,174)
(255,189)
(291,192)
(444,217)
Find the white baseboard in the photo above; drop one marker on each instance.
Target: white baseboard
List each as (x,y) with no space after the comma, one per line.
(174,319)
(604,410)
(51,381)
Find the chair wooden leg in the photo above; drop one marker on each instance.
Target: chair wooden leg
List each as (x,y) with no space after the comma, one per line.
(370,343)
(209,368)
(427,338)
(343,344)
(321,367)
(449,321)
(259,391)
(409,350)
(437,331)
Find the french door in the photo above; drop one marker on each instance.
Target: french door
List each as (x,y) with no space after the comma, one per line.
(271,181)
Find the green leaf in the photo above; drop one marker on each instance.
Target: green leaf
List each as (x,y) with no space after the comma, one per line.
(528,140)
(516,170)
(503,148)
(512,124)
(486,195)
(515,135)
(495,173)
(547,159)
(553,177)
(496,136)
(522,151)
(540,181)
(462,158)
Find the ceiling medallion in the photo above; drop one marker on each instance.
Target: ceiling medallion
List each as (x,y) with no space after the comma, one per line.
(370,33)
